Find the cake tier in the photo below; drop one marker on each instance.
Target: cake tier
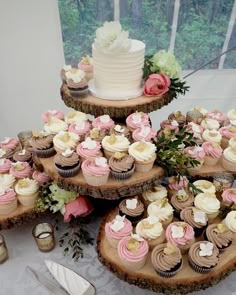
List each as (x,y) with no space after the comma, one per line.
(118,76)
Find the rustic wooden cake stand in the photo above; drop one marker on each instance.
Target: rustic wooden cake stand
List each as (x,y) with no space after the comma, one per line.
(185,281)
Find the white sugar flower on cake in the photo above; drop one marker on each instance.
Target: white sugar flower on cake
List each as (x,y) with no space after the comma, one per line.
(111,38)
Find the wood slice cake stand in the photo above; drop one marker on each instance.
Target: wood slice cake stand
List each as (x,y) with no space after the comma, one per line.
(113,190)
(115,108)
(185,281)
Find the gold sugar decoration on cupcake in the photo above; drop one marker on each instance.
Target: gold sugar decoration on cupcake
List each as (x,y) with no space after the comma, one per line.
(141,147)
(232,129)
(65,137)
(206,185)
(155,189)
(112,139)
(177,114)
(170,249)
(167,131)
(119,155)
(22,183)
(221,228)
(37,134)
(182,197)
(146,224)
(132,245)
(19,167)
(85,60)
(71,114)
(163,202)
(94,133)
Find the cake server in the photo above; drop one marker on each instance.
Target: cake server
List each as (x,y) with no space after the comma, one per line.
(53,287)
(69,280)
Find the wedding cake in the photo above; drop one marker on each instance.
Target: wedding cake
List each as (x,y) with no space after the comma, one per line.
(117,63)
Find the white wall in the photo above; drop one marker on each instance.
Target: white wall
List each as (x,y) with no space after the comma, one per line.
(31,56)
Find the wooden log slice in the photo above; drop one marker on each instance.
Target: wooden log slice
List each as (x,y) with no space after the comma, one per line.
(113,189)
(185,281)
(117,109)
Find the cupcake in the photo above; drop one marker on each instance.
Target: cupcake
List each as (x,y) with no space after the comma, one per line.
(74,116)
(52,113)
(196,218)
(67,163)
(178,117)
(213,153)
(8,201)
(196,130)
(96,172)
(230,222)
(220,235)
(203,256)
(217,115)
(103,122)
(144,154)
(210,124)
(172,125)
(120,130)
(6,153)
(86,65)
(180,200)
(209,204)
(115,143)
(7,181)
(89,149)
(55,125)
(81,128)
(180,234)
(117,229)
(122,166)
(65,140)
(151,230)
(77,84)
(227,132)
(161,209)
(196,153)
(231,114)
(9,143)
(42,144)
(132,208)
(133,252)
(154,194)
(145,133)
(205,186)
(213,136)
(229,159)
(64,70)
(229,197)
(97,134)
(23,156)
(5,165)
(166,260)
(27,191)
(194,116)
(42,178)
(176,183)
(136,120)
(21,170)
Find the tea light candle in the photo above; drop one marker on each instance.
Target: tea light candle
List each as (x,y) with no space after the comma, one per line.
(3,250)
(43,234)
(222,181)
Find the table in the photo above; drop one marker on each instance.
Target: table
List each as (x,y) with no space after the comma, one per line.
(23,251)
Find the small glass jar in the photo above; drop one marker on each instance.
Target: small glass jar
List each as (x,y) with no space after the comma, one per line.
(43,234)
(3,250)
(222,181)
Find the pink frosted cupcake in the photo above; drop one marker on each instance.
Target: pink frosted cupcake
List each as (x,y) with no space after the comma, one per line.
(89,149)
(96,172)
(21,170)
(133,252)
(176,183)
(52,113)
(103,122)
(170,124)
(229,197)
(8,201)
(217,115)
(5,165)
(197,131)
(117,229)
(9,143)
(136,120)
(227,132)
(181,235)
(81,128)
(179,117)
(41,177)
(86,65)
(213,153)
(196,153)
(144,133)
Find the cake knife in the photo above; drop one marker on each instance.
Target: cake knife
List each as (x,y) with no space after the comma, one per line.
(69,280)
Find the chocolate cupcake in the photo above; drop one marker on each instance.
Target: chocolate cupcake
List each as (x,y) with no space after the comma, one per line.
(166,259)
(179,117)
(97,134)
(6,153)
(122,166)
(42,144)
(181,199)
(220,235)
(203,256)
(67,163)
(196,218)
(133,208)
(23,156)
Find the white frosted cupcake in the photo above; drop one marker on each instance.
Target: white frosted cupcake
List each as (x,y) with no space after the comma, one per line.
(65,140)
(7,181)
(209,204)
(151,230)
(161,209)
(55,125)
(230,222)
(27,191)
(213,136)
(231,114)
(211,124)
(74,116)
(144,154)
(205,186)
(115,143)
(229,158)
(156,193)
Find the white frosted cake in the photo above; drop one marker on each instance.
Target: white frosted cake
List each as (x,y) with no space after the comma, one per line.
(117,64)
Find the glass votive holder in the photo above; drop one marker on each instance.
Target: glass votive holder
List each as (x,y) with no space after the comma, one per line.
(222,181)
(24,138)
(43,234)
(3,250)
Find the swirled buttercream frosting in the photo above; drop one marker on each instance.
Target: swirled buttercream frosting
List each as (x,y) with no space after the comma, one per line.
(194,217)
(55,125)
(64,140)
(26,186)
(74,116)
(207,203)
(133,210)
(68,161)
(182,199)
(138,119)
(149,228)
(121,164)
(6,180)
(42,141)
(219,234)
(179,233)
(161,209)
(115,143)
(7,195)
(156,193)
(142,151)
(118,228)
(230,221)
(98,167)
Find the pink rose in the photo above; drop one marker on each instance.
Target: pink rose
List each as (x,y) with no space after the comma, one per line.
(156,84)
(81,206)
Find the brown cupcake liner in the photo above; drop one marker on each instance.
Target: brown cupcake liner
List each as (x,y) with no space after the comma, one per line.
(68,172)
(122,175)
(47,153)
(198,268)
(169,274)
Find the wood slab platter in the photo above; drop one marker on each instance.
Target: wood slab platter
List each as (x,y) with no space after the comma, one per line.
(113,190)
(185,281)
(115,108)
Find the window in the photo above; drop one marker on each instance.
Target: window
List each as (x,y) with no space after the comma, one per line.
(195,30)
